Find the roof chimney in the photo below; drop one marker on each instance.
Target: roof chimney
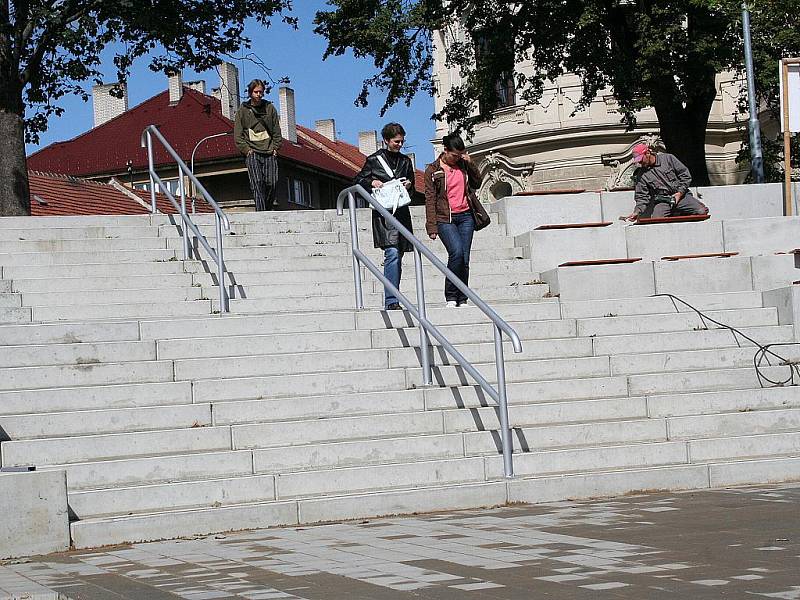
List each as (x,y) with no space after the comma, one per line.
(287,114)
(326,127)
(106,106)
(368,142)
(228,88)
(413,158)
(197,86)
(175,87)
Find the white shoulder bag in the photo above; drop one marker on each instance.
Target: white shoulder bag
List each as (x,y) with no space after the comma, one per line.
(392,194)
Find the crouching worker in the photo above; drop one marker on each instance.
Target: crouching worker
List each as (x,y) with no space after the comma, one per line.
(662,186)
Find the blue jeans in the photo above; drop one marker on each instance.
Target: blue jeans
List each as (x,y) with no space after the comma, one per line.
(457,238)
(392,270)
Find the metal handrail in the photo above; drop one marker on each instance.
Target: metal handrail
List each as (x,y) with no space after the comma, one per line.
(419,312)
(220,218)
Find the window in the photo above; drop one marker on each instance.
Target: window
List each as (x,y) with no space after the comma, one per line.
(173,185)
(299,192)
(494,51)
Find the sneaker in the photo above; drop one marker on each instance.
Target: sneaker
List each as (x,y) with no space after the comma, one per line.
(394,306)
(464,302)
(451,304)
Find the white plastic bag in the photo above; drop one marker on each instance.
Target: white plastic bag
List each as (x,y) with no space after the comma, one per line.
(392,194)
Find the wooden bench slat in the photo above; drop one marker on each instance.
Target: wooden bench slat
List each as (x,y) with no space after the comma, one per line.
(679,219)
(602,261)
(573,225)
(707,255)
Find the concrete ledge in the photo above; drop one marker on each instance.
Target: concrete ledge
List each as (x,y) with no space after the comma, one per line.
(775,271)
(787,301)
(549,248)
(761,236)
(613,483)
(35,518)
(402,502)
(631,280)
(654,241)
(703,275)
(526,213)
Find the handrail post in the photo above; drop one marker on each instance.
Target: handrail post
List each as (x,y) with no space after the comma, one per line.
(505,431)
(184,216)
(424,343)
(151,166)
(223,288)
(351,205)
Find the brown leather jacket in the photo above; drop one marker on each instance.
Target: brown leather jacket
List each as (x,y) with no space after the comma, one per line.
(437,208)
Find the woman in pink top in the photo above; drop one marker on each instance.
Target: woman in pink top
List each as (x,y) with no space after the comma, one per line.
(450,203)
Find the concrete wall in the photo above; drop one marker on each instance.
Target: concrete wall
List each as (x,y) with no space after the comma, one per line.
(34,513)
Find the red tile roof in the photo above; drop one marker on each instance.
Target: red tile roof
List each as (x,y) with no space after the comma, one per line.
(106,149)
(64,195)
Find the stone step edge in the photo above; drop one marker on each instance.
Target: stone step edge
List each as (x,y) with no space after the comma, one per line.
(94,533)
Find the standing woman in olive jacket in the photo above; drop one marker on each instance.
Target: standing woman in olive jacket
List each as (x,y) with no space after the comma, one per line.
(384,235)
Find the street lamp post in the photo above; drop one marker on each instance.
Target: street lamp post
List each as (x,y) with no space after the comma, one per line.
(756,157)
(191,162)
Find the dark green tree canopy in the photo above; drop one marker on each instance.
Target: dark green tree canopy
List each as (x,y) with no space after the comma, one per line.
(48,48)
(663,54)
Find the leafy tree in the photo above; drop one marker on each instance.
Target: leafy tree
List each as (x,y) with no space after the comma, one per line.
(663,54)
(49,47)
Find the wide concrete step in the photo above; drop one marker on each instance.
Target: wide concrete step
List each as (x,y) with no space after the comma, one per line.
(145,310)
(10,300)
(85,374)
(48,451)
(747,317)
(242,325)
(172,495)
(95,397)
(84,245)
(110,530)
(93,270)
(617,307)
(689,340)
(691,360)
(570,435)
(249,345)
(366,427)
(77,233)
(68,333)
(130,255)
(69,283)
(114,296)
(669,405)
(767,469)
(375,300)
(15,315)
(80,353)
(587,460)
(733,424)
(708,380)
(88,422)
(719,449)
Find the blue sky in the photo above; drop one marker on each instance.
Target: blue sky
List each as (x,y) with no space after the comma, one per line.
(322,89)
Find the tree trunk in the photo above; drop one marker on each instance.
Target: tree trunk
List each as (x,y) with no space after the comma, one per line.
(683,131)
(14,192)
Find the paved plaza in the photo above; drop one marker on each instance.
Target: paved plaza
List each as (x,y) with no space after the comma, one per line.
(733,543)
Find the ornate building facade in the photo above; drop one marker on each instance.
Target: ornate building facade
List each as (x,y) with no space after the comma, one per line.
(550,146)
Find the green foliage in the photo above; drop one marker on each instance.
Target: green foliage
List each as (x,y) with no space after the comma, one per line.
(47,49)
(663,54)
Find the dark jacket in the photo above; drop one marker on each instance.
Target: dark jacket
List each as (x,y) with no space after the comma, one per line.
(256,118)
(666,177)
(437,208)
(383,234)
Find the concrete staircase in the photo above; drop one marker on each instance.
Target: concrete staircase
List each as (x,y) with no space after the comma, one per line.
(172,421)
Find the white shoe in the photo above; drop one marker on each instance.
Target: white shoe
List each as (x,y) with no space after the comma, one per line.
(463,303)
(451,304)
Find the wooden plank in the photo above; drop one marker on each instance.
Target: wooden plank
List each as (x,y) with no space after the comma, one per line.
(708,255)
(573,225)
(548,192)
(605,261)
(678,219)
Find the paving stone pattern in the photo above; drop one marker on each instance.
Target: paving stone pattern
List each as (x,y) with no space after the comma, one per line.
(732,543)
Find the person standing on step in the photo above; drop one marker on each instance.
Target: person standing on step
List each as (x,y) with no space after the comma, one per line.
(257,133)
(662,186)
(453,211)
(384,235)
